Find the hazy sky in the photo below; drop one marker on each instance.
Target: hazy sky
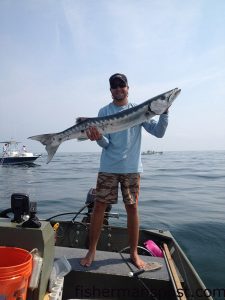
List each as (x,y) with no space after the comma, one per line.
(56,58)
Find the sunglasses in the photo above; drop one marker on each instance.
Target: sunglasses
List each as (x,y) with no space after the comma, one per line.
(117,84)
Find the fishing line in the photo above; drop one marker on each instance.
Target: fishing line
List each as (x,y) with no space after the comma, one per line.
(135,274)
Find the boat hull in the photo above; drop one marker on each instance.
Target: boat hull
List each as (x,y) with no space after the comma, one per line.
(108,277)
(18,160)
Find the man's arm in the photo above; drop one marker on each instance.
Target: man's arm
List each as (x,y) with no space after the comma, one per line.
(155,128)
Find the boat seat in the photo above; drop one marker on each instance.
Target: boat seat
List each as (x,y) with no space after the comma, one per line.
(110,263)
(110,273)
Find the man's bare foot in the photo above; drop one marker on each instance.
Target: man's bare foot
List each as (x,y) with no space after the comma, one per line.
(137,261)
(88,259)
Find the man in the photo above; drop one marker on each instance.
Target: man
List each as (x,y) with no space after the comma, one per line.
(120,163)
(5,148)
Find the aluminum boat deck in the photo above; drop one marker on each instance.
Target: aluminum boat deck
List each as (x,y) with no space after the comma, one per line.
(108,277)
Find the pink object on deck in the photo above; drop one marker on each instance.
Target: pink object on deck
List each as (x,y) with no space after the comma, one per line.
(153,248)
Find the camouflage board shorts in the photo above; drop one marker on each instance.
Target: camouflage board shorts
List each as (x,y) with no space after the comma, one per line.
(108,183)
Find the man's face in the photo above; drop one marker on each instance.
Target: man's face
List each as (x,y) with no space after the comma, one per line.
(119,90)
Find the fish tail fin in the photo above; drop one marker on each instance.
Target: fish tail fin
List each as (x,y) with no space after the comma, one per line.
(51,143)
(51,151)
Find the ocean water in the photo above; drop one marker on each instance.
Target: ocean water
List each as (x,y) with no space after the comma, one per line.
(183,192)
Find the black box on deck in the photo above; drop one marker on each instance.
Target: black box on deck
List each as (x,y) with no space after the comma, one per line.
(13,235)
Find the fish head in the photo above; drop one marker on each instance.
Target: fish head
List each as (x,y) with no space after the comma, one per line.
(174,93)
(161,103)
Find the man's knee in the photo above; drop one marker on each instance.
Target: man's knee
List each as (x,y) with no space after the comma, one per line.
(132,208)
(100,206)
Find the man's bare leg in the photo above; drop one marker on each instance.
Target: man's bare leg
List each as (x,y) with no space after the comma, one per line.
(95,230)
(133,233)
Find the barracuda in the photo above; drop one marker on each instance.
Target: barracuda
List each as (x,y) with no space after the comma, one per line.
(109,124)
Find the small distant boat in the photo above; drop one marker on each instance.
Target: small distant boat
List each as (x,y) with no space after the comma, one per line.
(150,152)
(12,155)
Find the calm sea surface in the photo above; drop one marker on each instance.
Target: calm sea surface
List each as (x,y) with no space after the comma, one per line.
(183,192)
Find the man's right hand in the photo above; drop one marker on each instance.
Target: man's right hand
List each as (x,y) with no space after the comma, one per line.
(93,134)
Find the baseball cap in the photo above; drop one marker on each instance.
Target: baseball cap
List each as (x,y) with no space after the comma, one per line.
(119,76)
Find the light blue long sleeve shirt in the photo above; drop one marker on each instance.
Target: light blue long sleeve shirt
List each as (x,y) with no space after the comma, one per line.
(121,151)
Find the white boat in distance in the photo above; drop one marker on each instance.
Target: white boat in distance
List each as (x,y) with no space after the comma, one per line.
(12,155)
(150,152)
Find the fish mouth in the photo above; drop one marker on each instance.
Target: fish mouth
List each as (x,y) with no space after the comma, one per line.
(176,92)
(149,109)
(174,95)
